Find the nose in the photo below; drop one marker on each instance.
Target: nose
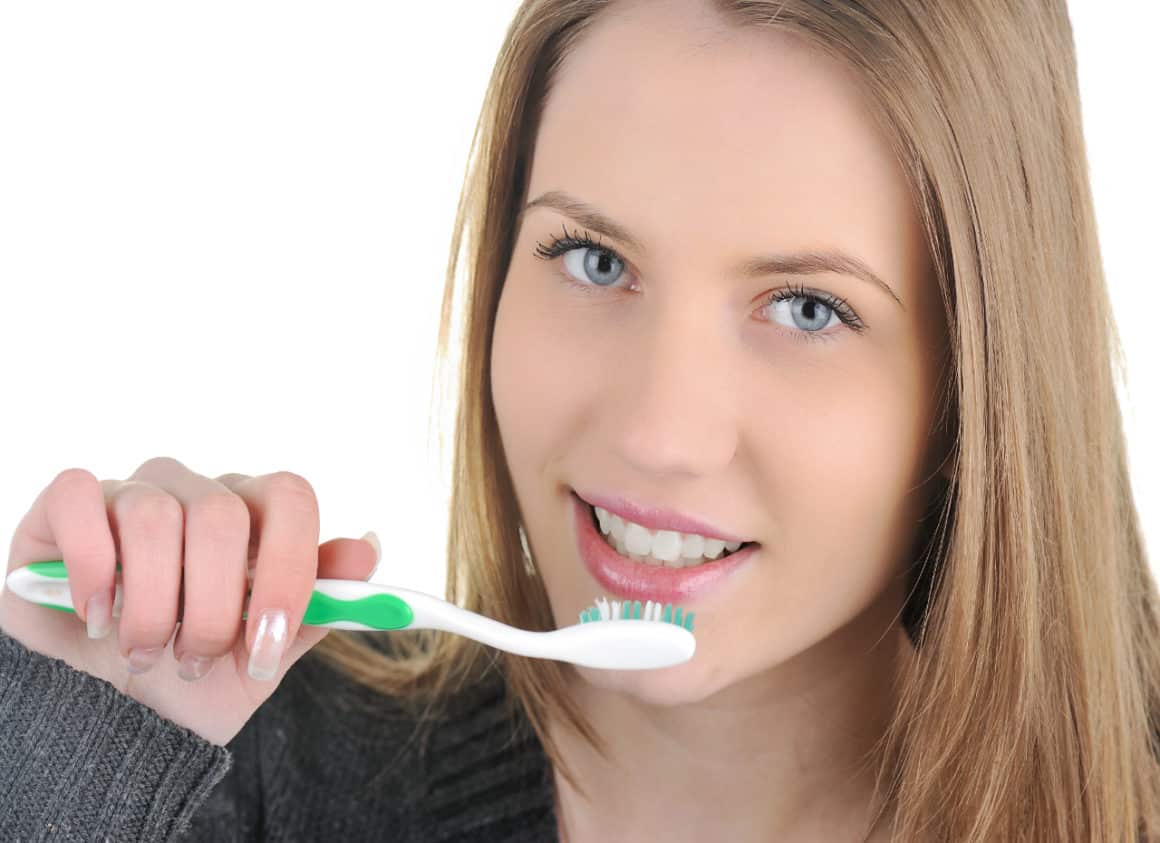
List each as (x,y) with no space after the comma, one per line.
(675,411)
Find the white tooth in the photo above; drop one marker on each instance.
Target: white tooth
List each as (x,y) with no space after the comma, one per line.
(713,547)
(667,545)
(693,547)
(617,528)
(637,539)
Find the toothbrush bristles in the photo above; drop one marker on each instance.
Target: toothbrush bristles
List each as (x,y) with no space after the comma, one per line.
(606,610)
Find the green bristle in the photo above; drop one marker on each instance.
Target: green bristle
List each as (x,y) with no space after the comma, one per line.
(634,609)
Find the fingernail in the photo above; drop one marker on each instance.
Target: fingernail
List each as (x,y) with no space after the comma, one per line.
(142,659)
(191,667)
(374,542)
(99,614)
(269,644)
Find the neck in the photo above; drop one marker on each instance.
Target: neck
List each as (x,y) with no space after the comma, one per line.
(784,755)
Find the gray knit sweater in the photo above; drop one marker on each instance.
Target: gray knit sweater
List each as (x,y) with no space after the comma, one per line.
(321,760)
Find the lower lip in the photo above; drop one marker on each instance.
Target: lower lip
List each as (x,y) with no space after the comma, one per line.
(638,581)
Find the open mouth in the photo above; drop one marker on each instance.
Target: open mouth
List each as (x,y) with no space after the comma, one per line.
(680,581)
(689,554)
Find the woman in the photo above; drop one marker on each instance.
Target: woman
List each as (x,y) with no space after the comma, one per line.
(825,279)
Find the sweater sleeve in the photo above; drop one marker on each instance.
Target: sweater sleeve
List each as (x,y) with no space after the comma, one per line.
(79,760)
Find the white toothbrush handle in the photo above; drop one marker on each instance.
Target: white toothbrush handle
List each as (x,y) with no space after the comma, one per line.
(359,605)
(613,644)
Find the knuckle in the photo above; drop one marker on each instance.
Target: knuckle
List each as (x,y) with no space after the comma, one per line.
(162,463)
(224,509)
(293,488)
(149,507)
(74,480)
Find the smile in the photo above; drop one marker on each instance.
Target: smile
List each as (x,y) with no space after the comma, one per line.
(624,576)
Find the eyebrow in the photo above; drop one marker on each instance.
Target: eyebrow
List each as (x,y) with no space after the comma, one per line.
(810,262)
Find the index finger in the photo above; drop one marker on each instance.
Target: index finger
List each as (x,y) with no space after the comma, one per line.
(68,521)
(285,519)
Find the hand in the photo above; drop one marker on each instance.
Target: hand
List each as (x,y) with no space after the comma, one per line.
(184,543)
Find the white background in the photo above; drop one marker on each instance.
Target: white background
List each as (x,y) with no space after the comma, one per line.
(224,228)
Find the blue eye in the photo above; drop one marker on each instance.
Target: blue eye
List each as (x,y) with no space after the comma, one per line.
(813,307)
(585,258)
(595,265)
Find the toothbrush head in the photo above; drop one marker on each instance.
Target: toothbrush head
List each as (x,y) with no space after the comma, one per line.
(605,610)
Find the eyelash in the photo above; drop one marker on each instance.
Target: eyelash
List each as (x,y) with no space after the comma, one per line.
(846,314)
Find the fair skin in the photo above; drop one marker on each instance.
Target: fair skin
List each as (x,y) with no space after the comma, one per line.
(673,382)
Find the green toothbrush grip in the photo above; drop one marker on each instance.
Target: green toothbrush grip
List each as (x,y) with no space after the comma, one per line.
(377,611)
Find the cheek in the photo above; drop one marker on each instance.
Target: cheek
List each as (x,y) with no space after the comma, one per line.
(848,439)
(542,371)
(838,470)
(517,376)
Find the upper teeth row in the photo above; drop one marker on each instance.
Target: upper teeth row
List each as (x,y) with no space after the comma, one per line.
(666,545)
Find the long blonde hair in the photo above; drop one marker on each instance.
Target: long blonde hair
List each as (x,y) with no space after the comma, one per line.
(1033,709)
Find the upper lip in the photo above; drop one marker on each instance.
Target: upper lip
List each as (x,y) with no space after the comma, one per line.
(657,517)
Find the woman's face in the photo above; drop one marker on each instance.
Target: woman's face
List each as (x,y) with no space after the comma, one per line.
(655,369)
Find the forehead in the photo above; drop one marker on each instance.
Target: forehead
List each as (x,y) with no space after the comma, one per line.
(673,120)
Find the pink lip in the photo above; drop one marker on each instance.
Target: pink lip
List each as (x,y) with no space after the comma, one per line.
(626,578)
(655,518)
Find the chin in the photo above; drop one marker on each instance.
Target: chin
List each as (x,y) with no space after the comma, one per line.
(668,686)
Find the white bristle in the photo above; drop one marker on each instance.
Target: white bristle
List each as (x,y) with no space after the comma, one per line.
(652,610)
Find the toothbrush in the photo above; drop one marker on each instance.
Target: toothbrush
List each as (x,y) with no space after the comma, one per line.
(611,635)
